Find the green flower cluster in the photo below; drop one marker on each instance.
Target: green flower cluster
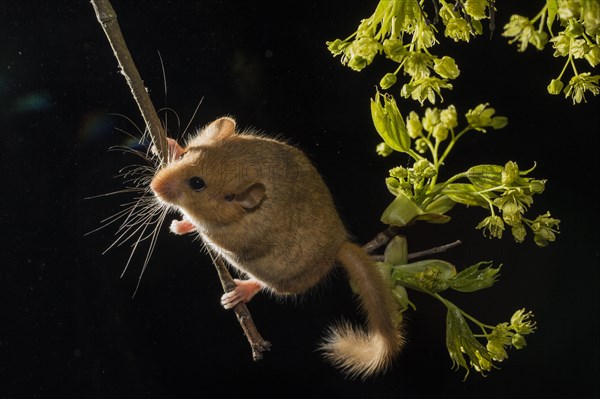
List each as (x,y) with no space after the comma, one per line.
(505,191)
(433,276)
(578,38)
(402,31)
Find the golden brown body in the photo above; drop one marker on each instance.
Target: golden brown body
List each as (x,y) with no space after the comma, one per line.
(264,207)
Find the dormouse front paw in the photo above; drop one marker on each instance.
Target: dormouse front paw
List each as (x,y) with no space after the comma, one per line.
(243,292)
(181,227)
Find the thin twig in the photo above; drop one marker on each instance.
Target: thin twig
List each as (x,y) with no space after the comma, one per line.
(381,239)
(108,20)
(256,341)
(435,250)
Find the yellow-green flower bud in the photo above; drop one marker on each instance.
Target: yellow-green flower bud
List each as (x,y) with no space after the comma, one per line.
(392,183)
(510,173)
(574,29)
(593,55)
(449,118)
(519,232)
(394,49)
(440,132)
(446,67)
(413,125)
(387,81)
(399,172)
(431,119)
(555,86)
(383,149)
(337,46)
(421,145)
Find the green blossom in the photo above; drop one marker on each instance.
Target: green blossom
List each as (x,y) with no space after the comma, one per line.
(361,52)
(510,173)
(539,39)
(446,67)
(431,119)
(519,232)
(568,8)
(413,125)
(545,229)
(482,117)
(394,49)
(493,225)
(593,55)
(417,64)
(424,36)
(425,89)
(500,337)
(458,29)
(561,44)
(522,322)
(440,132)
(521,29)
(476,8)
(579,48)
(424,169)
(581,83)
(591,17)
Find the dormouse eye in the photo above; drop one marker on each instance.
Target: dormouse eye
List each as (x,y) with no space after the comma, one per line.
(181,156)
(196,183)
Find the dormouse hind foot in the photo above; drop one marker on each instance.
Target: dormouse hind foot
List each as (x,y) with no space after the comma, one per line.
(243,292)
(181,227)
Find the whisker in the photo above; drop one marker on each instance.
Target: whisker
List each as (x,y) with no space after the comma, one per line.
(153,241)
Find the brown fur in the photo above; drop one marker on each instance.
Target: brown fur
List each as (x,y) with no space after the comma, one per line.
(266,209)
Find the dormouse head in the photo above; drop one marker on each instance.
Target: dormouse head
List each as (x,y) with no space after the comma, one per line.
(201,180)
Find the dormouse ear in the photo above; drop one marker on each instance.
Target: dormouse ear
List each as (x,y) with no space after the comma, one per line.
(175,150)
(251,196)
(219,129)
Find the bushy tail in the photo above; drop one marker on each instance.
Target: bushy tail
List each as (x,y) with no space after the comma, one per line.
(365,353)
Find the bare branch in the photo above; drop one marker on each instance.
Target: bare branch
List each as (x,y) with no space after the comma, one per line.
(435,250)
(108,20)
(256,341)
(381,239)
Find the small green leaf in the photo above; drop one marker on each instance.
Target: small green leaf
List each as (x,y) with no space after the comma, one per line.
(479,276)
(460,341)
(401,211)
(389,123)
(401,297)
(485,176)
(431,217)
(552,10)
(440,205)
(396,252)
(466,194)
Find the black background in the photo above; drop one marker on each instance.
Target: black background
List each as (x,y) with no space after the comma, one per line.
(69,327)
